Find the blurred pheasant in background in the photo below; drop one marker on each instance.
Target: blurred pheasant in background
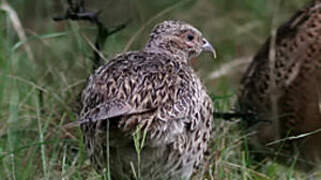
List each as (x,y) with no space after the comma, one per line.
(156,92)
(282,88)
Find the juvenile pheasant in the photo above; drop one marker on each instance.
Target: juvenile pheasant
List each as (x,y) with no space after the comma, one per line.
(153,90)
(284,91)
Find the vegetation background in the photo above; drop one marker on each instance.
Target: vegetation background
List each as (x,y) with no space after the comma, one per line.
(42,74)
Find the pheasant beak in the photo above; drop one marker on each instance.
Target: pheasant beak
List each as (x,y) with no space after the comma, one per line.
(208,47)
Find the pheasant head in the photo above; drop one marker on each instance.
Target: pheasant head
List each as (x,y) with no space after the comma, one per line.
(179,39)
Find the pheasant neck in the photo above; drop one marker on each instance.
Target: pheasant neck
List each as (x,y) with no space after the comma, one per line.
(168,48)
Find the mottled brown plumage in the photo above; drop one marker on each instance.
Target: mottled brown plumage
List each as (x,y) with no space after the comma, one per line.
(284,91)
(153,89)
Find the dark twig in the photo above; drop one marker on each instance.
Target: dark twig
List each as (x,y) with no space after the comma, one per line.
(41,102)
(250,119)
(233,115)
(103,34)
(77,12)
(230,116)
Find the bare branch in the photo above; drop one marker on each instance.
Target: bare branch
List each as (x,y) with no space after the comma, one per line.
(77,12)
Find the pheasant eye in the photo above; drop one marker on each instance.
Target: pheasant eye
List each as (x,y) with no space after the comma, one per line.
(190,37)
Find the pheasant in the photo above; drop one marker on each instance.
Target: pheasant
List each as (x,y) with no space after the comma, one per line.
(153,91)
(281,87)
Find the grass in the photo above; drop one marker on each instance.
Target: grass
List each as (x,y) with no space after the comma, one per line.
(33,142)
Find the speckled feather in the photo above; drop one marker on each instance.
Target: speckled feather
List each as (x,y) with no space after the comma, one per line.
(293,80)
(156,90)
